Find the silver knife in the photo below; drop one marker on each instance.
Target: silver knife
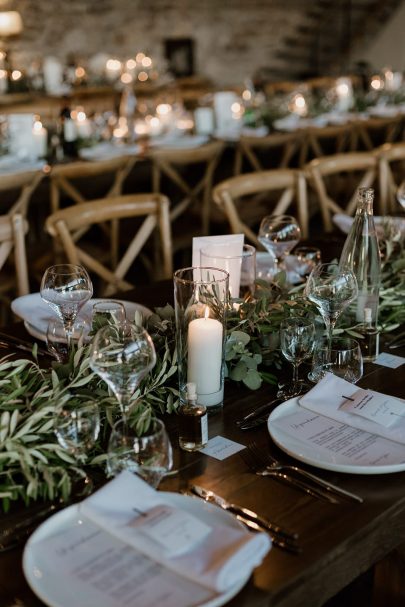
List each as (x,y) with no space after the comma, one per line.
(259,412)
(262,522)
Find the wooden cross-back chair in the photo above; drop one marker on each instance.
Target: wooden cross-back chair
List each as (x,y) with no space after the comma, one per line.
(279,147)
(169,162)
(336,179)
(24,183)
(151,209)
(391,168)
(323,141)
(288,185)
(14,280)
(373,132)
(66,179)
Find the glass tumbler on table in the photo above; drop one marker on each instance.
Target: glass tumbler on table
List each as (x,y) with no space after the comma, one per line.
(148,455)
(279,234)
(77,426)
(342,357)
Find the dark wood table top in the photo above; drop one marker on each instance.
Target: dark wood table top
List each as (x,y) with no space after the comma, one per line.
(340,541)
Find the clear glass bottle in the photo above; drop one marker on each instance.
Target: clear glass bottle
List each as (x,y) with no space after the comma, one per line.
(361,254)
(370,342)
(193,422)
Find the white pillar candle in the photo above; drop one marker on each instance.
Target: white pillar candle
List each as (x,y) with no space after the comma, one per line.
(83,126)
(205,337)
(39,140)
(204,120)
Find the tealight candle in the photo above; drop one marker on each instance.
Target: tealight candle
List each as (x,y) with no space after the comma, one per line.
(204,340)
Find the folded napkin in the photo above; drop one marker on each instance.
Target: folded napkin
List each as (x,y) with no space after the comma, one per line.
(365,410)
(213,555)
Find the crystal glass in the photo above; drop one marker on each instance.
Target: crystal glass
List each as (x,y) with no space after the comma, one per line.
(279,234)
(331,289)
(297,336)
(342,358)
(122,355)
(241,268)
(66,288)
(306,259)
(401,194)
(77,426)
(150,455)
(59,342)
(107,311)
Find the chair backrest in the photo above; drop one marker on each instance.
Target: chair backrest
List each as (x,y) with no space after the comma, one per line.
(23,182)
(337,178)
(323,141)
(152,209)
(13,229)
(278,150)
(168,162)
(64,176)
(288,185)
(391,169)
(376,131)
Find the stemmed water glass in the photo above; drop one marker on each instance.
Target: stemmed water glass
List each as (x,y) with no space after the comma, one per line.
(77,426)
(66,288)
(297,336)
(401,194)
(331,289)
(279,234)
(122,354)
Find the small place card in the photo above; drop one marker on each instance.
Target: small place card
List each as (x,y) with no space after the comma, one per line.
(221,447)
(177,531)
(389,360)
(379,408)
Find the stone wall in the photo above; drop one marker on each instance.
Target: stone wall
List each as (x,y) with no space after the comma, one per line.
(233,38)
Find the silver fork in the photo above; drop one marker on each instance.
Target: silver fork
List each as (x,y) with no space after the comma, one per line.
(261,470)
(267,461)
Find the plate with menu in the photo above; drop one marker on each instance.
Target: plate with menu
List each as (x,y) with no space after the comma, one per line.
(36,313)
(113,574)
(330,444)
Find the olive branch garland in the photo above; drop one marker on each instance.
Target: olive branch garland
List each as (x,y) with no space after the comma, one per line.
(33,466)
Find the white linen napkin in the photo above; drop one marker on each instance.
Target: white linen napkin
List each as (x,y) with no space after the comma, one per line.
(342,401)
(215,559)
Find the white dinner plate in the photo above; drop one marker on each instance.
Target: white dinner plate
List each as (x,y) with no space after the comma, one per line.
(309,454)
(51,587)
(36,313)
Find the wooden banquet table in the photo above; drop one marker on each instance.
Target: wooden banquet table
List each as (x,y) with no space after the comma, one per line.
(340,542)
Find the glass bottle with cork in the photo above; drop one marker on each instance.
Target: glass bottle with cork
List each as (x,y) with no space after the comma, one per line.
(193,422)
(361,255)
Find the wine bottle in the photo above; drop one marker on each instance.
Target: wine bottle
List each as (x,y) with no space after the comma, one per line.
(361,254)
(68,133)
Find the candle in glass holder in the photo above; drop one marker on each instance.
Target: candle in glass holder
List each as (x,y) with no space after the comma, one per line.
(205,336)
(39,140)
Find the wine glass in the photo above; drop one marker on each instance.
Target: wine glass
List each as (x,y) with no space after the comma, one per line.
(77,426)
(297,336)
(279,234)
(401,194)
(66,288)
(57,339)
(331,289)
(122,354)
(149,455)
(343,358)
(306,259)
